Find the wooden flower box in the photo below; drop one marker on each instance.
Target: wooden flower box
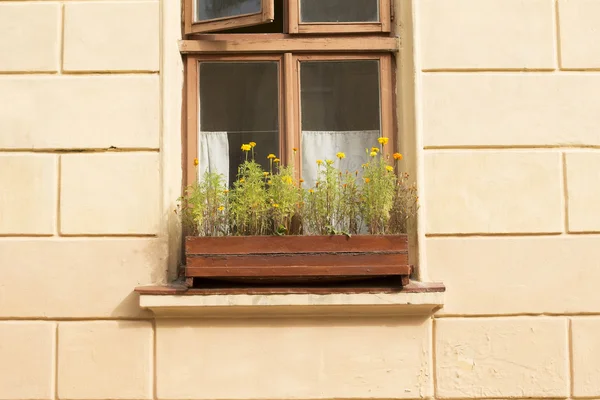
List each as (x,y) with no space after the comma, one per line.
(297,258)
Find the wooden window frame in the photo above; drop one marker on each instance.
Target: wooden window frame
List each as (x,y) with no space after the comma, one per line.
(295,25)
(191,26)
(290,130)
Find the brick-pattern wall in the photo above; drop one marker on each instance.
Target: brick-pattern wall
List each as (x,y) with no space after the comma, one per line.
(508,160)
(80,197)
(510,135)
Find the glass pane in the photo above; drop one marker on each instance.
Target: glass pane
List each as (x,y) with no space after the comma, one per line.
(213,9)
(239,103)
(340,112)
(339,10)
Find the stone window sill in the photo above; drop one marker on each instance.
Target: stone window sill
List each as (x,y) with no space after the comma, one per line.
(178,301)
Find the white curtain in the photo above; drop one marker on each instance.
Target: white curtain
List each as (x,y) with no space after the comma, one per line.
(322,145)
(213,153)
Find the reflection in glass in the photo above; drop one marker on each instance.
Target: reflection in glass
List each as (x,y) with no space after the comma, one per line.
(339,11)
(239,103)
(214,9)
(340,112)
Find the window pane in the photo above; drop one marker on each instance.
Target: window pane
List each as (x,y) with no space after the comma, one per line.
(339,10)
(239,103)
(213,9)
(340,112)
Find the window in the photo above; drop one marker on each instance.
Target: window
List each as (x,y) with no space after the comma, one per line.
(262,75)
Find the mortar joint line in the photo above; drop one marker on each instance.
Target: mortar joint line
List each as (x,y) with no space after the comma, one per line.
(565,192)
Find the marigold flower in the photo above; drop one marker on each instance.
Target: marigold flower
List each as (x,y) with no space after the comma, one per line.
(246,147)
(367,180)
(221,208)
(276,160)
(383,140)
(319,162)
(310,191)
(397,156)
(269,182)
(375,149)
(275,205)
(196,162)
(390,168)
(265,174)
(340,155)
(242,180)
(271,156)
(226,191)
(373,154)
(252,144)
(295,149)
(301,180)
(329,162)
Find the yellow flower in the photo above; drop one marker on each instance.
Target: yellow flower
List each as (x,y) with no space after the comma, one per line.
(221,208)
(295,149)
(275,205)
(288,180)
(373,153)
(390,168)
(252,144)
(242,180)
(271,156)
(246,147)
(196,162)
(310,191)
(276,160)
(397,156)
(265,174)
(329,162)
(375,149)
(226,191)
(367,180)
(319,162)
(301,180)
(340,155)
(383,140)
(269,182)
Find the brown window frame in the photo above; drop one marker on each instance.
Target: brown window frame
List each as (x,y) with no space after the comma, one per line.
(295,25)
(267,14)
(289,97)
(292,23)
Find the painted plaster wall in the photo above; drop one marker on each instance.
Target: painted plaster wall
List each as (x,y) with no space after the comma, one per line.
(499,121)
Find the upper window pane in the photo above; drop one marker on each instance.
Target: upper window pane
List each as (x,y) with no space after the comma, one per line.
(239,103)
(340,110)
(215,9)
(341,11)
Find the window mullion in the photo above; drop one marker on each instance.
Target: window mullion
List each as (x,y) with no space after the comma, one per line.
(291,106)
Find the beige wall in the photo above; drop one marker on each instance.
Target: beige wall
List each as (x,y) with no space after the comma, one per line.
(500,124)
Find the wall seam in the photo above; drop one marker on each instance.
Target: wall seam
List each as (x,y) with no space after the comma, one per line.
(58,193)
(61,54)
(557,35)
(565,193)
(55,376)
(570,351)
(433,356)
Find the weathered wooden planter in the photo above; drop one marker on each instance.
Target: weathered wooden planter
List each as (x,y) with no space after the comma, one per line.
(297,258)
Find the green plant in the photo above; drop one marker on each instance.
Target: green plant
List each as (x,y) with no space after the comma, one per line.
(274,202)
(204,206)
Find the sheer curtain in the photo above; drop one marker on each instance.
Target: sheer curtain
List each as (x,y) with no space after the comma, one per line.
(321,145)
(213,153)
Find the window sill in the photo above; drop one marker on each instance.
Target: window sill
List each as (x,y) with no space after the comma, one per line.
(177,301)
